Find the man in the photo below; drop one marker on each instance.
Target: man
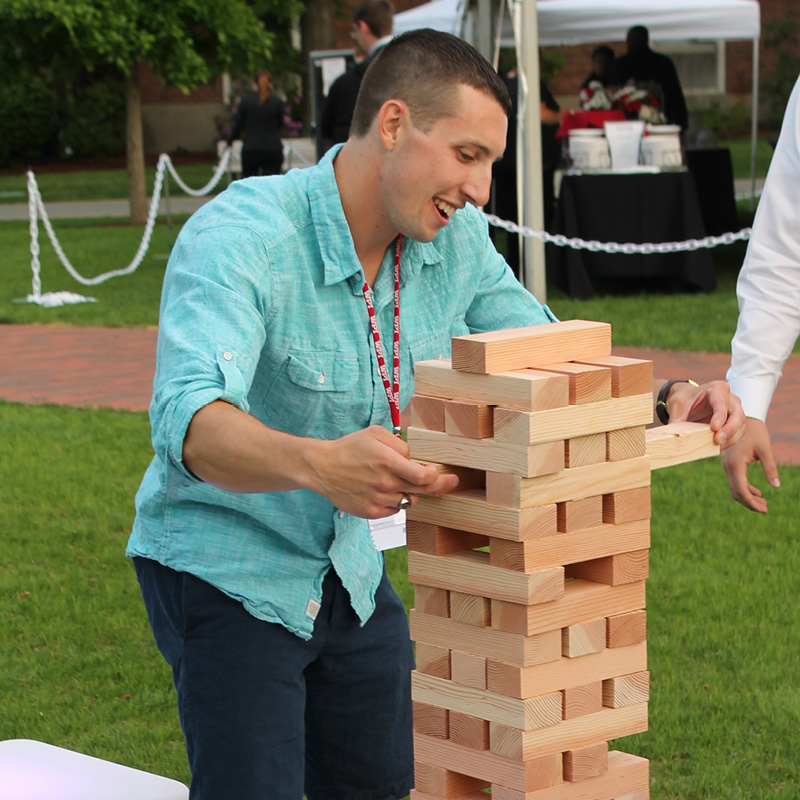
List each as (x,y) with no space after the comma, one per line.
(769,309)
(642,65)
(271,414)
(372,28)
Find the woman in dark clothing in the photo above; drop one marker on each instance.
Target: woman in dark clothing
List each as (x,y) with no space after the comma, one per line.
(260,116)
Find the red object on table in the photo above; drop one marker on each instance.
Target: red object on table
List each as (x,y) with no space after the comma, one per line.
(587,119)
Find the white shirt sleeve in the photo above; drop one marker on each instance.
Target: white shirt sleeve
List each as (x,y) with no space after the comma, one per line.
(769,282)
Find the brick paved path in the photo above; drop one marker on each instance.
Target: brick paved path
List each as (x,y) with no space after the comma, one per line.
(114,367)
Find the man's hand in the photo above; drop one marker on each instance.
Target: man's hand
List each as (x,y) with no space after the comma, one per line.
(754,445)
(367,472)
(712,403)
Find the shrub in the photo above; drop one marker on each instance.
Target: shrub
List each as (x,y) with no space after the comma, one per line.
(28,119)
(728,121)
(95,119)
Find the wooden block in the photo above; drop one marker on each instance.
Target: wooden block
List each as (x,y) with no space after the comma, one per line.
(444,783)
(473,420)
(472,794)
(615,570)
(582,545)
(583,638)
(625,772)
(468,478)
(427,412)
(581,600)
(525,715)
(535,346)
(469,511)
(580,451)
(488,454)
(588,383)
(627,506)
(432,600)
(438,540)
(577,515)
(471,609)
(433,660)
(431,720)
(625,443)
(525,428)
(680,442)
(534,775)
(626,690)
(629,376)
(524,390)
(468,731)
(468,669)
(505,489)
(511,648)
(565,673)
(470,572)
(581,700)
(586,762)
(610,723)
(623,630)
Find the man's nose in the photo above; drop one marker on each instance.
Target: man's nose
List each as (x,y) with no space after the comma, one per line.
(478,188)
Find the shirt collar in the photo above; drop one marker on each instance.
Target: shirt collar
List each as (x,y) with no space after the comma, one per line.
(336,246)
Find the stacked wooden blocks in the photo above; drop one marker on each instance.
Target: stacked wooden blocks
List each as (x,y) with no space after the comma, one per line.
(529,615)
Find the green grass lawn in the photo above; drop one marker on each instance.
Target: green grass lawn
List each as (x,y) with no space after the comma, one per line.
(79,668)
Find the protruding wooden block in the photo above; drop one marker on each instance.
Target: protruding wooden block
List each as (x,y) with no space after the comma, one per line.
(627,506)
(577,515)
(641,794)
(626,690)
(473,420)
(580,451)
(535,346)
(614,570)
(629,376)
(583,638)
(433,660)
(680,442)
(524,390)
(625,443)
(444,783)
(582,700)
(586,762)
(468,669)
(427,412)
(438,540)
(469,731)
(623,630)
(504,489)
(431,720)
(587,383)
(471,609)
(431,600)
(468,478)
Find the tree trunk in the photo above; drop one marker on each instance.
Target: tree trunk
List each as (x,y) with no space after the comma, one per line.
(137,190)
(317,26)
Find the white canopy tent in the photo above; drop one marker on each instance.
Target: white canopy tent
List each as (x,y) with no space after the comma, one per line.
(570,22)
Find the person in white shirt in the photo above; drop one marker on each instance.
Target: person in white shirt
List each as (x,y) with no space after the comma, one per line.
(769,310)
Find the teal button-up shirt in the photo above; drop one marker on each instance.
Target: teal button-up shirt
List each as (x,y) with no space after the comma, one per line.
(262,307)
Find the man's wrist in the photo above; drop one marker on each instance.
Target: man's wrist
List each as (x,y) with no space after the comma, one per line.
(662,409)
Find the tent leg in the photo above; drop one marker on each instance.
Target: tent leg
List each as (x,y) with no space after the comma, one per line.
(754,131)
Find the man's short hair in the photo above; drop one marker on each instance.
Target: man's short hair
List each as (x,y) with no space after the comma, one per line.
(423,68)
(378,14)
(603,50)
(638,38)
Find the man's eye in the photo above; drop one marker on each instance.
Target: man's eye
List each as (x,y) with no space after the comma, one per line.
(465,156)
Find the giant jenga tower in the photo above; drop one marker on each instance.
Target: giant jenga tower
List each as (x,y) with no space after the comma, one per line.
(529,615)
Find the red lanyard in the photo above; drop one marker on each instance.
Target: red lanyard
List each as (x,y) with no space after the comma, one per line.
(393,388)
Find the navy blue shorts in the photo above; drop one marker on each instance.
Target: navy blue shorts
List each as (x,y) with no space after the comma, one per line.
(266,714)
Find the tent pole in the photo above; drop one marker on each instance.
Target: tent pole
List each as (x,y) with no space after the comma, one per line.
(754,131)
(533,211)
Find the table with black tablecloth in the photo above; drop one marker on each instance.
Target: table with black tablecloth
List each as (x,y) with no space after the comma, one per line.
(712,169)
(634,207)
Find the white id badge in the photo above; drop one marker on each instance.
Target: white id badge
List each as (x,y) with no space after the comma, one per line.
(389,532)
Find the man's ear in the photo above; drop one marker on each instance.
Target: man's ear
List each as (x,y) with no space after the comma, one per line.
(393,117)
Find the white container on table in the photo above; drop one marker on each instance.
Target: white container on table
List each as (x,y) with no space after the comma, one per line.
(661,146)
(588,149)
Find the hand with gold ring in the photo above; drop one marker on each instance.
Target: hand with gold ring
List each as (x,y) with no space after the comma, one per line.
(405,501)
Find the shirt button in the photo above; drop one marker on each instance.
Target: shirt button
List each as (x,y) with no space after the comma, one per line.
(341,515)
(227,355)
(321,379)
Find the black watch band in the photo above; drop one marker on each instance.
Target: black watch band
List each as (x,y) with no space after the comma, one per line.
(662,412)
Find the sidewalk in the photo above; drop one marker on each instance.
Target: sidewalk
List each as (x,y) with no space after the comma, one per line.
(114,367)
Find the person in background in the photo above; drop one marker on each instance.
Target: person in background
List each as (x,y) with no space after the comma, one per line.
(602,66)
(654,72)
(258,121)
(372,29)
(769,310)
